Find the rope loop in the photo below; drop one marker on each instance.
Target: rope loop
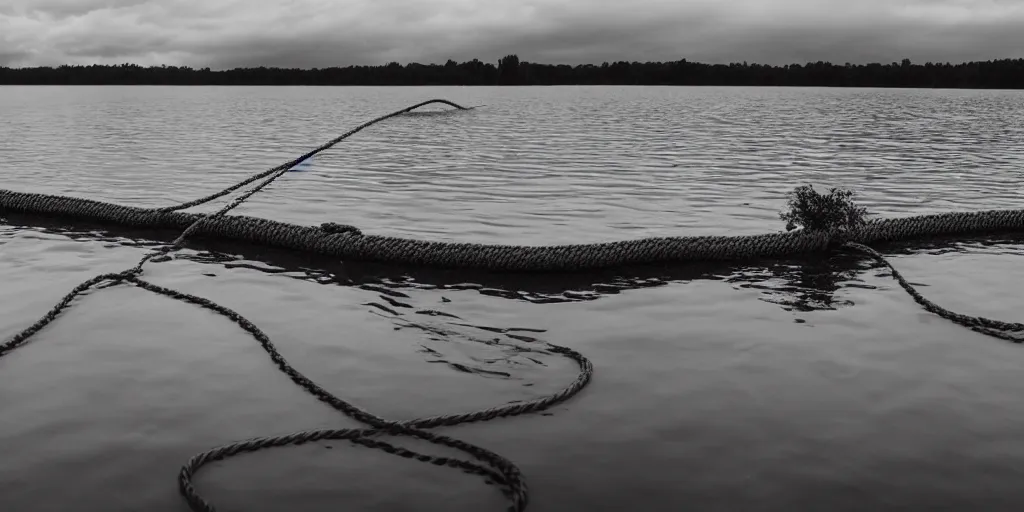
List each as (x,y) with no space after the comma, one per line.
(496,468)
(353,243)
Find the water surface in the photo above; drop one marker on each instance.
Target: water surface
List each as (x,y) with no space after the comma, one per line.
(793,385)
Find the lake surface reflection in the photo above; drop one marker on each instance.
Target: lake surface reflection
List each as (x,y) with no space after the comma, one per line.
(812,384)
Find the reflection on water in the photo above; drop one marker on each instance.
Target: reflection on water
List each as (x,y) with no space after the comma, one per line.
(800,285)
(811,384)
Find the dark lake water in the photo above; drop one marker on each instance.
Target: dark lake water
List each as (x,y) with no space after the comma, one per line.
(806,385)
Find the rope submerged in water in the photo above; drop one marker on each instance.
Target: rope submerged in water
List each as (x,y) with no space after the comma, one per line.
(492,465)
(994,328)
(349,242)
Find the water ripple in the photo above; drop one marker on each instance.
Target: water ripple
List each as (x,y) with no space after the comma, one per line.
(810,384)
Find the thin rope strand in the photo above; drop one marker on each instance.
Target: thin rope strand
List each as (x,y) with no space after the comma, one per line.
(348,241)
(495,467)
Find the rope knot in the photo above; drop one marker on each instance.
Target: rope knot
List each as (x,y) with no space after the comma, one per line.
(334,227)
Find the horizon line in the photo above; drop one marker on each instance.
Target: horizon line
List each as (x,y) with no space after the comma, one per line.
(520,62)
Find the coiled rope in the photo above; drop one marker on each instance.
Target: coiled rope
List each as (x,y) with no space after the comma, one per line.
(491,465)
(349,242)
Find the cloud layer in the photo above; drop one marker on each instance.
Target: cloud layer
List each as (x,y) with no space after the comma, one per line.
(321,33)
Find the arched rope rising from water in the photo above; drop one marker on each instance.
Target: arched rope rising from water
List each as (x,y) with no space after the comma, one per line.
(348,242)
(283,168)
(490,464)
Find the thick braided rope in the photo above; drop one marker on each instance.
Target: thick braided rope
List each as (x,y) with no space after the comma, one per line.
(504,471)
(995,328)
(550,258)
(273,173)
(348,243)
(288,165)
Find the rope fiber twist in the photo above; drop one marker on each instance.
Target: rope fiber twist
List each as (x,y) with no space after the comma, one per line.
(348,242)
(492,465)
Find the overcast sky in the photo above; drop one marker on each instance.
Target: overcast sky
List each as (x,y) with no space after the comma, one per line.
(321,33)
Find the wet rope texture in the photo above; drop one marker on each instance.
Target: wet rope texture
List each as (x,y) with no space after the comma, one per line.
(488,464)
(994,328)
(349,242)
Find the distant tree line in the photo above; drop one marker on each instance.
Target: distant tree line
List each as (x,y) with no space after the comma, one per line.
(995,74)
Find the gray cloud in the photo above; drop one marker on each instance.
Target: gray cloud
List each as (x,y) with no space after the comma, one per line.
(10,58)
(320,33)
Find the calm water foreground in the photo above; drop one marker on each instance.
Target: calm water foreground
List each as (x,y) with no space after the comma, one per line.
(811,385)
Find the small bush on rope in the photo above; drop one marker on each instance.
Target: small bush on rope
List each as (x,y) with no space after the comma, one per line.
(811,210)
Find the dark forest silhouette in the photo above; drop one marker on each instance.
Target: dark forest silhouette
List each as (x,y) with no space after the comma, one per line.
(997,74)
